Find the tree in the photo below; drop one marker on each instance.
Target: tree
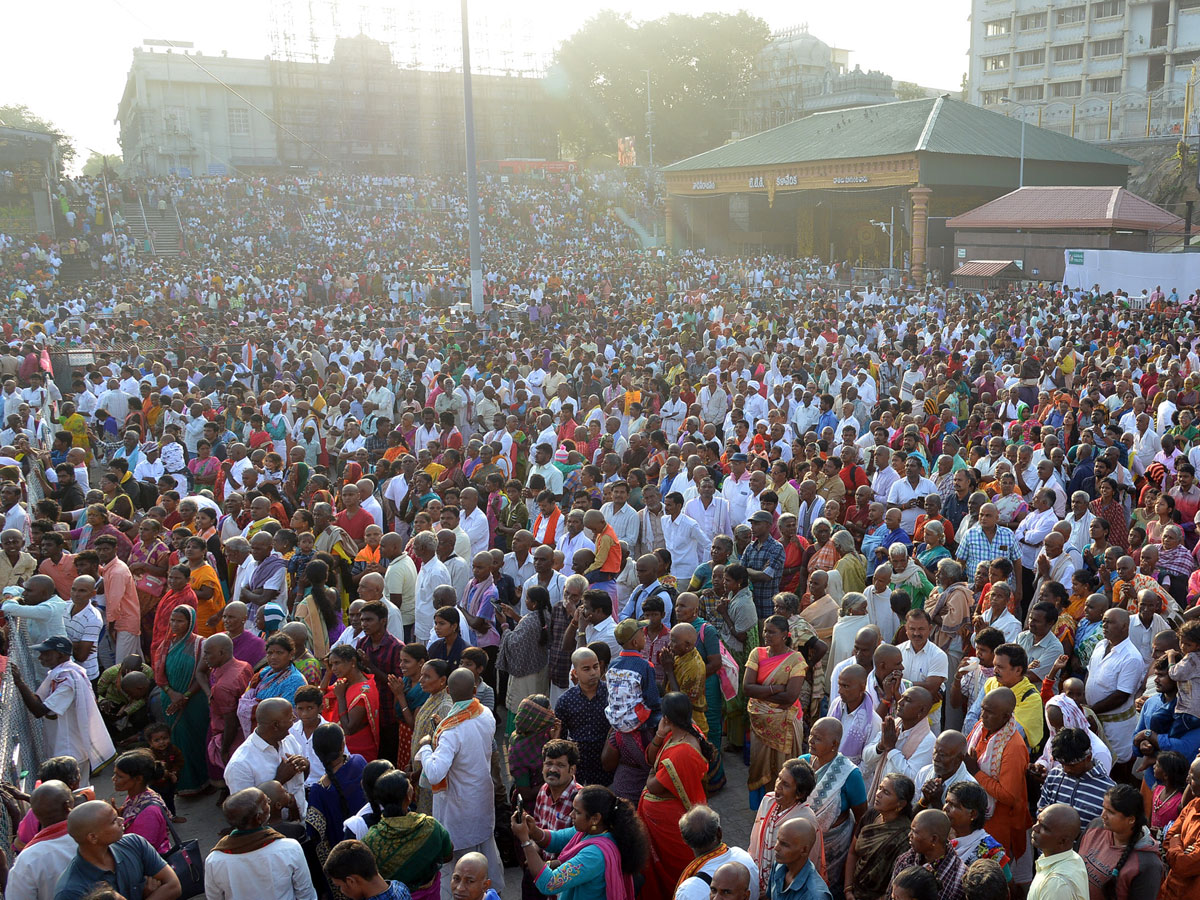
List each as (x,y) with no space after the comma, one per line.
(21,116)
(907,90)
(700,72)
(95,163)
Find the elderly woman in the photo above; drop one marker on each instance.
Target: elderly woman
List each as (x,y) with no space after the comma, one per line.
(96,523)
(721,552)
(823,553)
(908,575)
(1009,502)
(850,573)
(933,549)
(943,480)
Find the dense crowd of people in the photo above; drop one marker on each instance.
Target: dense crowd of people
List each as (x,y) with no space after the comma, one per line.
(420,596)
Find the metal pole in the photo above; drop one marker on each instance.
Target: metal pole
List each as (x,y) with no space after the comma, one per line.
(892,241)
(472,184)
(1021,172)
(649,121)
(1187,224)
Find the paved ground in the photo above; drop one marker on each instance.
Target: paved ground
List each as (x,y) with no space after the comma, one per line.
(205,821)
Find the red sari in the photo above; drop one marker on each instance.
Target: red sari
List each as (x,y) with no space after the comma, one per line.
(365,741)
(681,769)
(162,615)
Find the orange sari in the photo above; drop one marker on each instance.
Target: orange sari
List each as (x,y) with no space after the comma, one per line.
(206,576)
(681,769)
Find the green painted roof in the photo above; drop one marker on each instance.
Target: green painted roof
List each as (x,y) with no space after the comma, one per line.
(931,125)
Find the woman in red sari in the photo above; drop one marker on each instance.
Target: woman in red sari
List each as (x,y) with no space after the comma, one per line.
(179,593)
(1111,510)
(352,701)
(679,763)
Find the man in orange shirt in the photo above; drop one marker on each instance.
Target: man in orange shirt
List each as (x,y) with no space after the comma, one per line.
(123,610)
(997,758)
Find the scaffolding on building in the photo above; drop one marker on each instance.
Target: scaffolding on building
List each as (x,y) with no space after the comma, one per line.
(378,89)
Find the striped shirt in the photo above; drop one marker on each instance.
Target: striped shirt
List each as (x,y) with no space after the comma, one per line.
(1085,793)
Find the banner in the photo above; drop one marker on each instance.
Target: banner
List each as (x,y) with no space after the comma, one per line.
(626,152)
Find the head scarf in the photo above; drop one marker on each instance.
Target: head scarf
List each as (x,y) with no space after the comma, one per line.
(533,724)
(159,659)
(273,618)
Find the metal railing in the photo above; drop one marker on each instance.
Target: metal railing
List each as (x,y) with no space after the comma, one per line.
(22,746)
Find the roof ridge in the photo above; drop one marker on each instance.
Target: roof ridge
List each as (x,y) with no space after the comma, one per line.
(930,122)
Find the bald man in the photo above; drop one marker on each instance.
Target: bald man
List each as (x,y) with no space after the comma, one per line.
(458,765)
(1115,678)
(1061,872)
(851,706)
(247,647)
(686,670)
(700,828)
(795,877)
(106,854)
(997,758)
(947,768)
(228,678)
(255,860)
(905,742)
(40,607)
(929,848)
(36,870)
(732,881)
(470,880)
(270,753)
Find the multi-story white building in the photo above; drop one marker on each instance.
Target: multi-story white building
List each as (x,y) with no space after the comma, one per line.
(1092,68)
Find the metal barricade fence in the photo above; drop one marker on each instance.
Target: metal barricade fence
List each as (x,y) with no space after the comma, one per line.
(22,745)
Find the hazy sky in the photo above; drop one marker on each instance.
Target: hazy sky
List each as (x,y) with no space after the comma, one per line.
(69,58)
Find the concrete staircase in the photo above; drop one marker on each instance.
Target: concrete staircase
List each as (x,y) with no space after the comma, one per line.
(163,227)
(74,269)
(643,235)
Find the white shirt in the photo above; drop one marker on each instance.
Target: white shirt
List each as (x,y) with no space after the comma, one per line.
(279,869)
(518,572)
(696,888)
(903,491)
(605,631)
(1006,623)
(35,873)
(554,588)
(624,522)
(737,494)
(475,524)
(463,760)
(86,625)
(929,661)
(687,545)
(712,520)
(1031,533)
(568,544)
(896,761)
(401,578)
(317,771)
(433,574)
(1122,669)
(256,761)
(1043,652)
(1142,636)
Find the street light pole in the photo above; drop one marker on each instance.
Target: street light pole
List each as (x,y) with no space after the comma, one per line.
(472,184)
(1021,169)
(649,121)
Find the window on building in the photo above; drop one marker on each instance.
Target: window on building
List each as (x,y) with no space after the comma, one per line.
(175,120)
(1031,21)
(1030,93)
(205,117)
(1070,16)
(999,28)
(1108,85)
(1065,89)
(992,98)
(1031,57)
(1109,47)
(1107,8)
(995,63)
(1068,53)
(239,122)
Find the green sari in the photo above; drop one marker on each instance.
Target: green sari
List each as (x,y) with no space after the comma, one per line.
(409,848)
(189,727)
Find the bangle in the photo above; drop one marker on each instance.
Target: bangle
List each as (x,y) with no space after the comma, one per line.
(529,843)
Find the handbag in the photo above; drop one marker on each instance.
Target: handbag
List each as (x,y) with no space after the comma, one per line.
(186,860)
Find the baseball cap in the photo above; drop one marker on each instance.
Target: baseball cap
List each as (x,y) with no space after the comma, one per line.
(762,516)
(56,642)
(626,629)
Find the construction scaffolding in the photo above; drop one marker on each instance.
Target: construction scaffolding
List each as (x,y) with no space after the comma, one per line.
(378,89)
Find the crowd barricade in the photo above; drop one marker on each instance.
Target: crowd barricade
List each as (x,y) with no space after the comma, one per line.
(22,745)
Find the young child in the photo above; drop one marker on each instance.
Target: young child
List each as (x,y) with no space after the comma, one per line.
(369,558)
(158,736)
(308,717)
(300,558)
(1185,673)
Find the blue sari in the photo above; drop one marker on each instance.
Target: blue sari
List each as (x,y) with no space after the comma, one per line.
(189,726)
